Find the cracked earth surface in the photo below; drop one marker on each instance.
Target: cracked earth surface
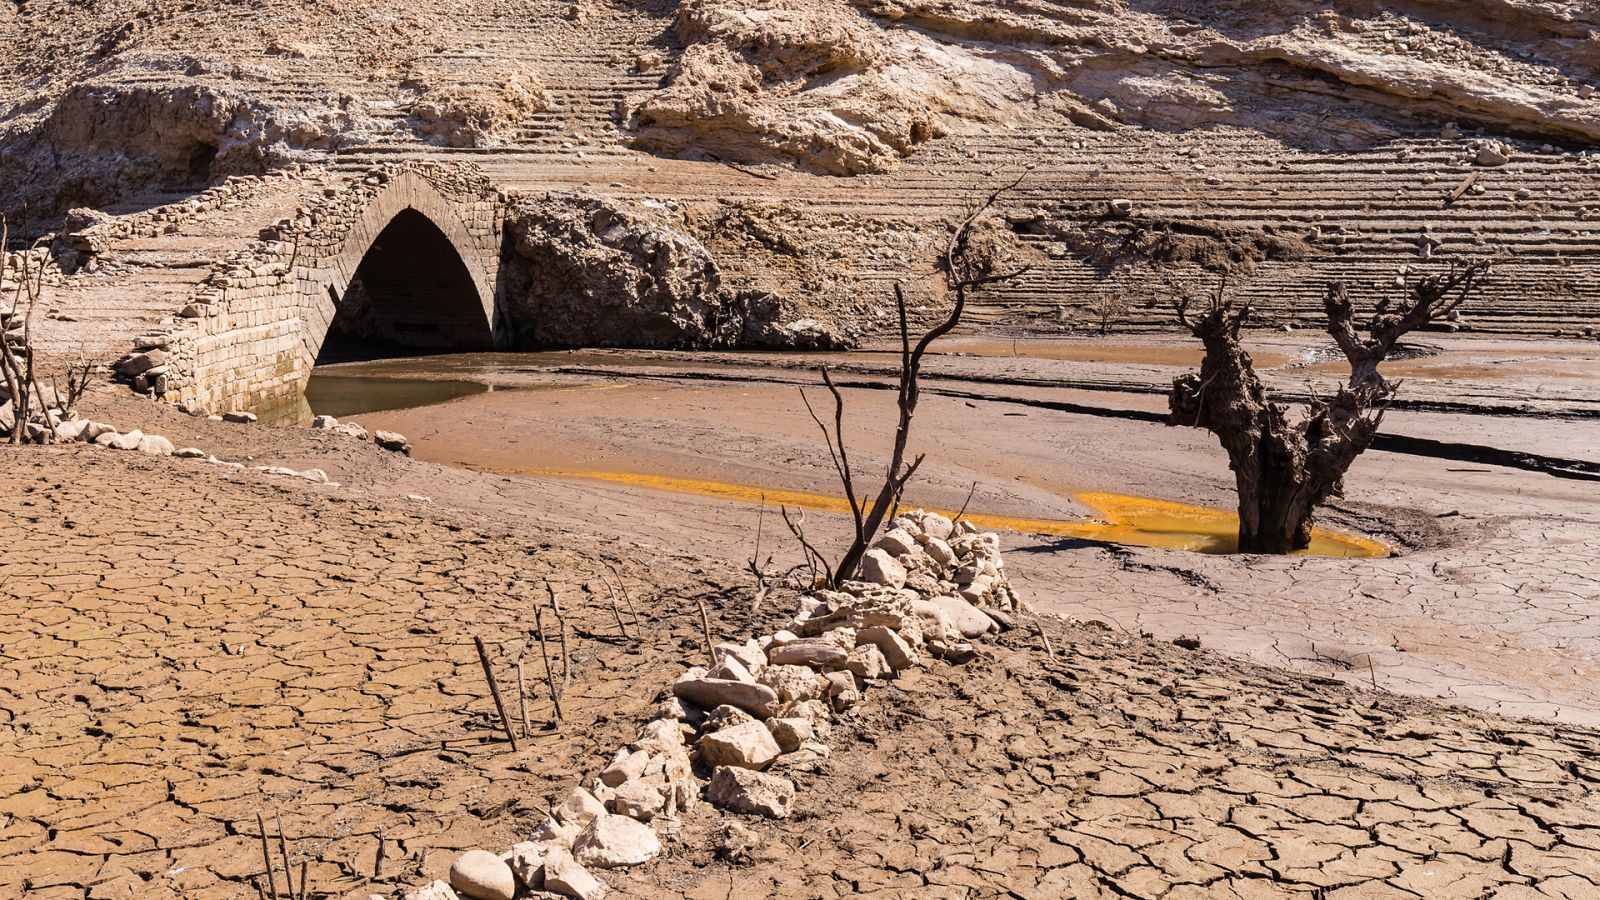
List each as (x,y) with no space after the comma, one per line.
(183,649)
(1123,769)
(179,651)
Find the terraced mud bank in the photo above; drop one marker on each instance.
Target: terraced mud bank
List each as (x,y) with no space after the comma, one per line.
(305,652)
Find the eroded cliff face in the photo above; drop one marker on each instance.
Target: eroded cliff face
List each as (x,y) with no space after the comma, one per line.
(586,272)
(817,84)
(847,89)
(104,142)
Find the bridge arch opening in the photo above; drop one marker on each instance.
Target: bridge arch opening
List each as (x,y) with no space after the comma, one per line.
(411,293)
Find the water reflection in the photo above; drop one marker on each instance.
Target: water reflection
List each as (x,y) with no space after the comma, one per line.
(350,395)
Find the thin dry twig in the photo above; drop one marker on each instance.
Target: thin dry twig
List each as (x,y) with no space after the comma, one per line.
(797,527)
(963,510)
(1048,649)
(283,848)
(705,627)
(494,691)
(522,700)
(616,611)
(266,854)
(623,587)
(549,671)
(561,622)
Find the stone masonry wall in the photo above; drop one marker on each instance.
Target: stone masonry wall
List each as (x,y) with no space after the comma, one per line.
(250,335)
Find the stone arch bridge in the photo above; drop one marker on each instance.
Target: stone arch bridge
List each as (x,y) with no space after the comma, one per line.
(410,255)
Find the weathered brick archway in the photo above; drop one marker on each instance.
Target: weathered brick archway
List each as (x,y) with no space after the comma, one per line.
(430,238)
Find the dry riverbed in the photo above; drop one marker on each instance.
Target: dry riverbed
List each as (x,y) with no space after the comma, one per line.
(184,645)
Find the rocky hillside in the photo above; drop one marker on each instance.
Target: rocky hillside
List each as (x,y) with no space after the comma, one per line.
(1363,135)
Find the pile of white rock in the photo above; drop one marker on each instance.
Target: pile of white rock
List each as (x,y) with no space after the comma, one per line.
(388,440)
(929,586)
(80,430)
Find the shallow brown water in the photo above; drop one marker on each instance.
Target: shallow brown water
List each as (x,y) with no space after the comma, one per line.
(349,395)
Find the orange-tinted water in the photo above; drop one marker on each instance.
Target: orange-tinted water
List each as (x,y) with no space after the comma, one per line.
(1119,519)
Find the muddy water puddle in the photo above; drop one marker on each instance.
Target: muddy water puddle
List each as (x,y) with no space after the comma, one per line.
(1117,519)
(351,395)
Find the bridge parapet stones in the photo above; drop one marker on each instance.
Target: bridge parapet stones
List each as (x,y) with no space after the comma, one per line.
(249,336)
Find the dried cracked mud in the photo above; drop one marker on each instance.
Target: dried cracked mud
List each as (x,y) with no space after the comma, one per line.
(185,648)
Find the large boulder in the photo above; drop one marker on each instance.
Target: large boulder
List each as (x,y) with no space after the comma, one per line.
(590,272)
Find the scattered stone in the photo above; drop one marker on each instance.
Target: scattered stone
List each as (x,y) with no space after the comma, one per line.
(753,793)
(579,807)
(625,767)
(140,363)
(481,875)
(189,453)
(748,745)
(129,441)
(612,841)
(675,708)
(878,567)
(867,662)
(816,653)
(710,693)
(70,430)
(242,418)
(393,441)
(790,733)
(1187,641)
(527,863)
(749,654)
(897,542)
(155,445)
(1002,621)
(1120,207)
(843,692)
(725,717)
(324,422)
(936,623)
(894,648)
(733,842)
(1493,154)
(968,619)
(638,800)
(566,876)
(730,669)
(794,683)
(937,527)
(557,833)
(436,890)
